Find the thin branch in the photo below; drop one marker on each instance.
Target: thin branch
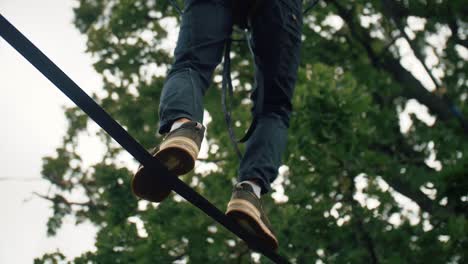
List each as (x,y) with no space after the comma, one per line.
(59,198)
(397,21)
(20,179)
(363,40)
(441,88)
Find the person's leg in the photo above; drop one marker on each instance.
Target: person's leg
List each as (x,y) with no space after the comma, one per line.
(276,35)
(205,24)
(204,28)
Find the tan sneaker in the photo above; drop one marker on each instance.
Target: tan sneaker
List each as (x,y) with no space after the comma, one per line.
(178,152)
(246,208)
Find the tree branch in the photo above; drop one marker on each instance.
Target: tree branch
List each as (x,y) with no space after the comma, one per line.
(412,86)
(440,87)
(59,198)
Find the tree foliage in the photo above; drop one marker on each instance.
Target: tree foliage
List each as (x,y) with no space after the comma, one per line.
(350,167)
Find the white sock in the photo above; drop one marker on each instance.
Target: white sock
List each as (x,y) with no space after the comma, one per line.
(256,188)
(176,125)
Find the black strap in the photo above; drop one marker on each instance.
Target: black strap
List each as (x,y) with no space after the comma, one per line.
(227,91)
(259,86)
(105,121)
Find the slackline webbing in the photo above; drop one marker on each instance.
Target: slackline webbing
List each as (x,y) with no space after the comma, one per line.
(52,72)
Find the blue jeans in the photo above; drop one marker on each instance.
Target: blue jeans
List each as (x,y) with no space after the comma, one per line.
(276,37)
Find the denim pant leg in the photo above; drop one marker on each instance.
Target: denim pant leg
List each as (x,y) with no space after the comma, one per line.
(276,33)
(204,28)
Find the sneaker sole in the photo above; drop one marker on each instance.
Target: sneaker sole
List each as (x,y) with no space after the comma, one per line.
(148,186)
(178,154)
(249,217)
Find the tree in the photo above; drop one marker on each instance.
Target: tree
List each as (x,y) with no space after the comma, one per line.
(348,163)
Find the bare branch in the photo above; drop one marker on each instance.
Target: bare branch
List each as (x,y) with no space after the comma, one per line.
(59,198)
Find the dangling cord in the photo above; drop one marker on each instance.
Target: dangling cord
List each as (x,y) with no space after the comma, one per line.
(227,87)
(258,82)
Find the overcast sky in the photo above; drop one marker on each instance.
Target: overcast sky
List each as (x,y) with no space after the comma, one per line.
(32,125)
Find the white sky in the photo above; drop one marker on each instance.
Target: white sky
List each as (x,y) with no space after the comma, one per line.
(33,125)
